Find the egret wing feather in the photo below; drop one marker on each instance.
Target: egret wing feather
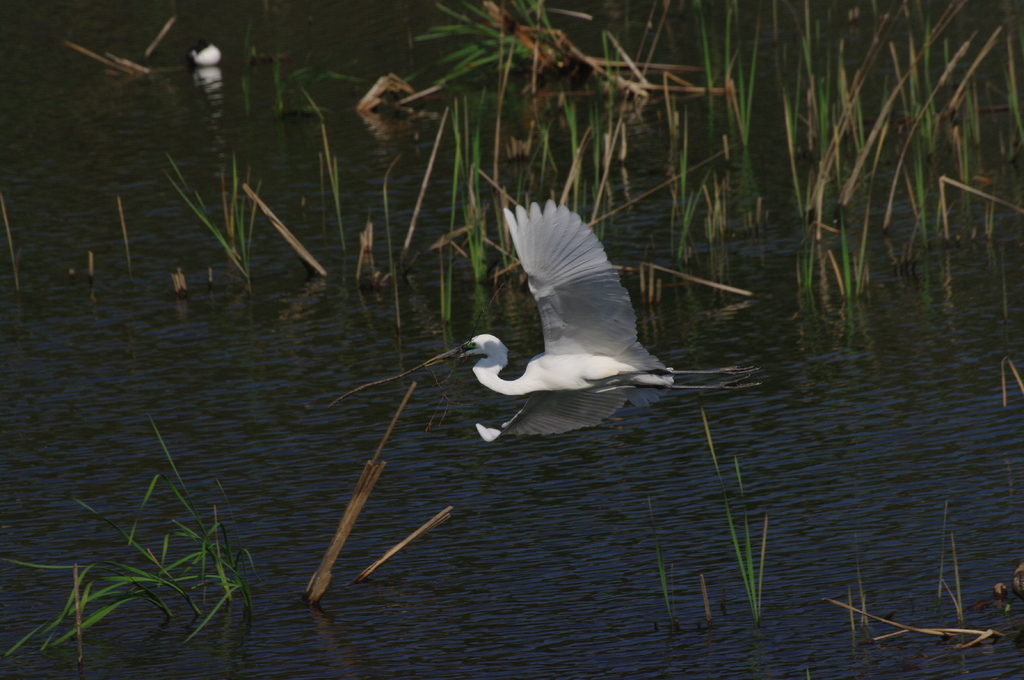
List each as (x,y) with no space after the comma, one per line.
(583,307)
(554,412)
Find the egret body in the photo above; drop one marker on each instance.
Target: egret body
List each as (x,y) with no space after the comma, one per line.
(592,363)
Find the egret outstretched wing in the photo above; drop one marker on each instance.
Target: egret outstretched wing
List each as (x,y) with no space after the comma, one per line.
(583,307)
(553,412)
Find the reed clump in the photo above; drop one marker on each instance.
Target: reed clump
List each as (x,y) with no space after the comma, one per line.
(194,558)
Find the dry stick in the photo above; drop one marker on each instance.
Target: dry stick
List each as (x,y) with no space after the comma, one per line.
(839,277)
(607,160)
(981,194)
(435,521)
(1002,374)
(707,605)
(78,616)
(160,36)
(957,98)
(120,64)
(423,188)
(312,266)
(938,632)
(703,282)
(391,261)
(129,64)
(124,231)
(371,472)
(380,382)
(670,180)
(92,271)
(629,62)
(657,34)
(673,178)
(831,156)
(93,55)
(575,169)
(10,242)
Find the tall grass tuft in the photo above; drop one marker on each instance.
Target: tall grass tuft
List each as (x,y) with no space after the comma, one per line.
(332,175)
(467,163)
(158,575)
(745,557)
(234,216)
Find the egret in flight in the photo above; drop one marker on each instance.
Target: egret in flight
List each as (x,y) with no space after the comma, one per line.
(592,363)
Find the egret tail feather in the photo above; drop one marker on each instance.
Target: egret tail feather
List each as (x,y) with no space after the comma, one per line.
(489,434)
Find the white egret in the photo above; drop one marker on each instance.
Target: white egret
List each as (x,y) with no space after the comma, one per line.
(592,363)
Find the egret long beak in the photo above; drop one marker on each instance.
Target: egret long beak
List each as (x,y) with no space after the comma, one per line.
(456,352)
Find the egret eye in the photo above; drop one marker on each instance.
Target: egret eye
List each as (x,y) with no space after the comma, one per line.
(469,345)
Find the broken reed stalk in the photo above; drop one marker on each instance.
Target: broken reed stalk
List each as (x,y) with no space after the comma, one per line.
(943,180)
(607,160)
(124,232)
(159,37)
(180,289)
(78,614)
(577,162)
(917,120)
(846,120)
(1002,373)
(839,276)
(92,269)
(10,242)
(670,180)
(944,633)
(703,282)
(371,472)
(391,254)
(433,522)
(423,187)
(114,62)
(313,268)
(707,605)
(380,382)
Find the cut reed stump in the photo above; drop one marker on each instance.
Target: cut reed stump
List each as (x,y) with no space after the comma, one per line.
(313,267)
(318,583)
(180,287)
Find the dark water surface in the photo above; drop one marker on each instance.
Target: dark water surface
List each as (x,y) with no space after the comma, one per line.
(868,422)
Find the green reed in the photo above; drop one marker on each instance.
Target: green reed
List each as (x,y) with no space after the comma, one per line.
(476,243)
(751,572)
(237,249)
(688,202)
(663,573)
(334,179)
(745,91)
(482,43)
(446,273)
(162,572)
